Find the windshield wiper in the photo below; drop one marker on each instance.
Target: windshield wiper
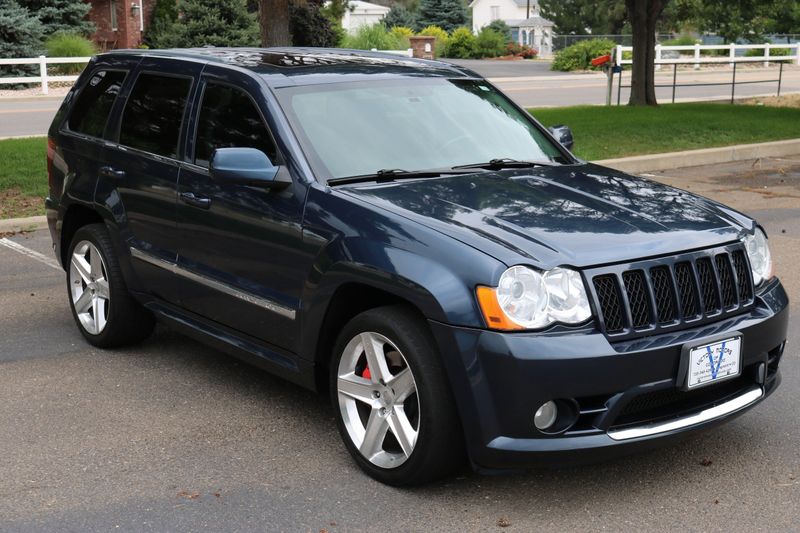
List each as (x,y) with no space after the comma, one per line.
(506,162)
(390,174)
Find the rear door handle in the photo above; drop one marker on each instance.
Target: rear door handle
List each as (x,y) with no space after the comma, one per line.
(111,172)
(203,202)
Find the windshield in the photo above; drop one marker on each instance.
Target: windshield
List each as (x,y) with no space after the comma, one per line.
(352,129)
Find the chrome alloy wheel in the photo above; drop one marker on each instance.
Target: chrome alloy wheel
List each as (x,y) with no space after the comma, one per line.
(378,400)
(88,286)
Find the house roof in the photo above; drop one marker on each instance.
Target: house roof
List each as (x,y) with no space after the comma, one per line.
(534,21)
(359,6)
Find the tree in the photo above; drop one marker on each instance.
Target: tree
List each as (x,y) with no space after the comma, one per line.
(310,26)
(61,15)
(273,16)
(447,14)
(644,16)
(20,36)
(214,23)
(165,14)
(400,15)
(581,17)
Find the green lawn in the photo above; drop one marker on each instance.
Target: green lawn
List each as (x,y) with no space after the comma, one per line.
(608,132)
(23,177)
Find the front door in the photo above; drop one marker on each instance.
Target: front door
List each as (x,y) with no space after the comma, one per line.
(240,250)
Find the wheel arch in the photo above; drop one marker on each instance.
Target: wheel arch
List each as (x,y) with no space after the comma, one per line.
(75,217)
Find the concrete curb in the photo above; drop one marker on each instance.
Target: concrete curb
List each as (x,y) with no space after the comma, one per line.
(14,225)
(706,156)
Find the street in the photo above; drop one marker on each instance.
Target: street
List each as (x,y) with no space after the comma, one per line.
(529,83)
(174,436)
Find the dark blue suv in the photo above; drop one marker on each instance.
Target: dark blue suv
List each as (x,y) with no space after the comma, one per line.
(397,233)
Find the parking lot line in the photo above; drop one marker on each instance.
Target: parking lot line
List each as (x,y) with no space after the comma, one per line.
(30,253)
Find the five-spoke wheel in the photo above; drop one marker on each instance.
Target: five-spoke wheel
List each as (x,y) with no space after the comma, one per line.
(378,399)
(393,403)
(88,285)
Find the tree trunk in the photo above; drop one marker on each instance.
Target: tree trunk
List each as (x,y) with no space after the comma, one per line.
(273,16)
(644,15)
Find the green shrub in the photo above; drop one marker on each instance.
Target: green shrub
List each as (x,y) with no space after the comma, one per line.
(63,44)
(683,40)
(442,38)
(489,43)
(400,15)
(213,23)
(578,56)
(502,28)
(773,52)
(68,16)
(375,36)
(165,14)
(461,44)
(402,33)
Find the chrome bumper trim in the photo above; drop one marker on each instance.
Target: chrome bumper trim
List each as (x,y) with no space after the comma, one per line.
(259,301)
(706,415)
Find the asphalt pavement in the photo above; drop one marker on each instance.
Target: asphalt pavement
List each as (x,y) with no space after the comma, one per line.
(172,435)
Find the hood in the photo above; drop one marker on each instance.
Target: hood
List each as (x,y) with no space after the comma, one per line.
(577,215)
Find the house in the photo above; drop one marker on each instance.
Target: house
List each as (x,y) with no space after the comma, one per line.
(120,23)
(522,16)
(359,13)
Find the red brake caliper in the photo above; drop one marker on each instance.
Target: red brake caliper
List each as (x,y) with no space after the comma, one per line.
(366,374)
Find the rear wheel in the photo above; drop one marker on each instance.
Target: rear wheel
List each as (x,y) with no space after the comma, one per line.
(105,312)
(394,408)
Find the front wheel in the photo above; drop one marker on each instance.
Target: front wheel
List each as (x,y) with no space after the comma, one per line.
(394,407)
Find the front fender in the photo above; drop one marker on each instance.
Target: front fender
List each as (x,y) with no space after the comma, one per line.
(358,244)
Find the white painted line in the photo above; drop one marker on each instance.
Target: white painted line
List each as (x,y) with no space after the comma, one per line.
(49,261)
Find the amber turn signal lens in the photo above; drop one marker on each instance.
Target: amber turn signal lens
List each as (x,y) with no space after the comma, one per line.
(492,313)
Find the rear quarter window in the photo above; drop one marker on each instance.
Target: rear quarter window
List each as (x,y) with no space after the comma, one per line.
(90,113)
(154,114)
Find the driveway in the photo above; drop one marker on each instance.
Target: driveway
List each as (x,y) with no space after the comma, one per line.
(174,436)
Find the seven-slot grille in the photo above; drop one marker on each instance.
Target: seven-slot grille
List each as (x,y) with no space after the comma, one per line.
(641,298)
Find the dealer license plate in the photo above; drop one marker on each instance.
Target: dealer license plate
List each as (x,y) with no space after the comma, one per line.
(714,362)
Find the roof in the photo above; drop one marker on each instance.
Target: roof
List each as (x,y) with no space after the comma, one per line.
(357,6)
(535,20)
(300,66)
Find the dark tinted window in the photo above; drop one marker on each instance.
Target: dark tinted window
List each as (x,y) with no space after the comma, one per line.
(153,114)
(228,118)
(90,113)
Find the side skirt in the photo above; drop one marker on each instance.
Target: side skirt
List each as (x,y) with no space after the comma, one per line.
(272,359)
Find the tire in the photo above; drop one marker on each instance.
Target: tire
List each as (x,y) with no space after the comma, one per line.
(408,437)
(105,312)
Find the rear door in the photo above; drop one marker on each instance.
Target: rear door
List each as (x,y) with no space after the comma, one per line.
(240,245)
(143,166)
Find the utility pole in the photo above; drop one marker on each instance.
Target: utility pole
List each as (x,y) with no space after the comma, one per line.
(528,10)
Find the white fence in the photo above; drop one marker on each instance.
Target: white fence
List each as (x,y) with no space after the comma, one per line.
(43,78)
(696,57)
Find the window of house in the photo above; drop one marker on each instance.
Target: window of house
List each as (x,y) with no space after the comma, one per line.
(90,112)
(495,12)
(154,114)
(113,7)
(229,118)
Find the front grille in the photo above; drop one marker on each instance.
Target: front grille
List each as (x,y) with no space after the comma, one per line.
(638,299)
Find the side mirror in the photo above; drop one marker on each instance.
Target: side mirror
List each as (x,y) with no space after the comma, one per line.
(245,166)
(563,135)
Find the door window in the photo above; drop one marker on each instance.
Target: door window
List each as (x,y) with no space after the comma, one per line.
(154,113)
(229,118)
(91,110)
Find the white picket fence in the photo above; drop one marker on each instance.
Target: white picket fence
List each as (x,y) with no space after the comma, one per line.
(405,53)
(697,58)
(43,78)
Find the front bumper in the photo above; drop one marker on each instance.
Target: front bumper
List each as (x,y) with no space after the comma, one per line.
(625,395)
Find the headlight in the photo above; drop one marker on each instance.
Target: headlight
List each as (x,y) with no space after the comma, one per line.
(529,299)
(758,253)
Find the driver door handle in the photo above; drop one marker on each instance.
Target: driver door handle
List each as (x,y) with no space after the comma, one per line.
(111,172)
(203,202)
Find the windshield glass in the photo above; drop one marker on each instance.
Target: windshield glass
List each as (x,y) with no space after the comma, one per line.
(351,129)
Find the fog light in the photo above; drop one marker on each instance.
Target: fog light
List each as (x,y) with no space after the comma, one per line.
(545,416)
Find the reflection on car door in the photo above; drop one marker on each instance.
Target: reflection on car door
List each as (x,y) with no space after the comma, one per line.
(241,245)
